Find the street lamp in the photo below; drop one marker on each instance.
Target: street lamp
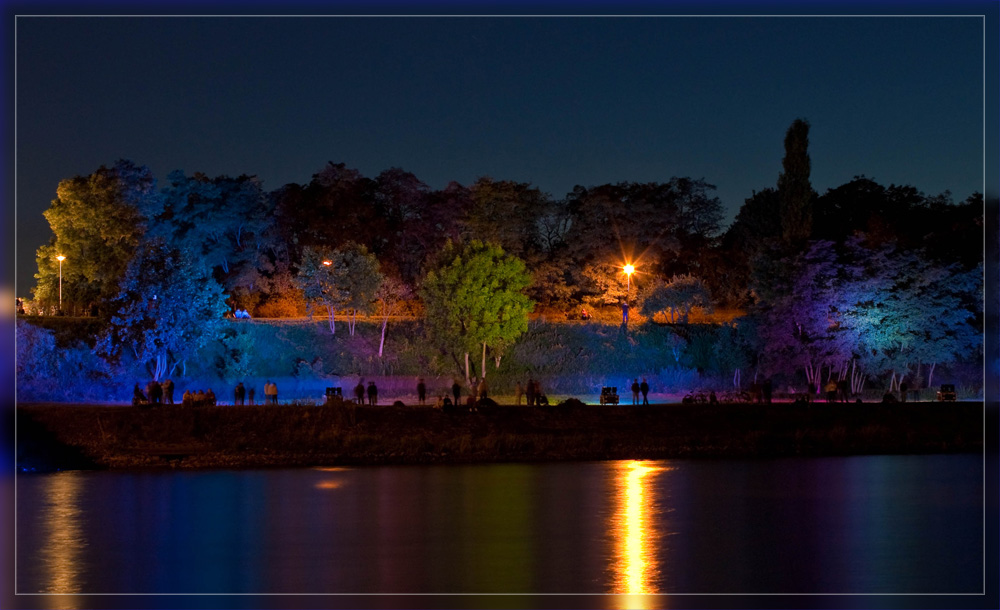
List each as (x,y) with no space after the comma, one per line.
(60,258)
(628,269)
(327,263)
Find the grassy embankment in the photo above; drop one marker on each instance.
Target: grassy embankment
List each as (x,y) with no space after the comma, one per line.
(79,436)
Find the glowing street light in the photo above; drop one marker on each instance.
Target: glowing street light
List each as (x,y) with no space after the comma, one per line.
(629,270)
(60,258)
(327,263)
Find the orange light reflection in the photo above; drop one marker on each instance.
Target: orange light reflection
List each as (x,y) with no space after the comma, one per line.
(65,536)
(635,566)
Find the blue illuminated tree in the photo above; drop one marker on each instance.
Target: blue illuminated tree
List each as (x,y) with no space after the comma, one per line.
(167,309)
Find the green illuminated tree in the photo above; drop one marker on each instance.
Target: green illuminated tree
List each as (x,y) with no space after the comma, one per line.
(474,297)
(98,222)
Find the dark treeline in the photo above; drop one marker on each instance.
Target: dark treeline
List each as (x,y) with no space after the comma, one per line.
(861,280)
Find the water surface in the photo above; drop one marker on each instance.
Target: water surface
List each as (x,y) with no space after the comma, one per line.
(869,524)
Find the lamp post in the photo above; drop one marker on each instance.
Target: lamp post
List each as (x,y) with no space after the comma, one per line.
(60,258)
(628,269)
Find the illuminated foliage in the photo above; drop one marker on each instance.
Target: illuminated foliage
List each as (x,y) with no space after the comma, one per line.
(219,222)
(474,297)
(165,312)
(676,298)
(345,278)
(97,223)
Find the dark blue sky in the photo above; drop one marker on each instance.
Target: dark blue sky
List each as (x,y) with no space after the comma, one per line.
(551,101)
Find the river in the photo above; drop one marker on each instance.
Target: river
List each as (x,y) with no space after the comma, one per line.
(868,524)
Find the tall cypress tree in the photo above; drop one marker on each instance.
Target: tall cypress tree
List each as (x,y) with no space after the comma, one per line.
(794,190)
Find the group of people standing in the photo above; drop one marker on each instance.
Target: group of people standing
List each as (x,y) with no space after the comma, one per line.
(163,393)
(640,387)
(532,391)
(360,391)
(157,393)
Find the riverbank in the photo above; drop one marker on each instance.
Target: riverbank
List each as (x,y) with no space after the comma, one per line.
(59,436)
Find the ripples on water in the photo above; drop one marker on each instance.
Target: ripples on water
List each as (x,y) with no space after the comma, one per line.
(890,524)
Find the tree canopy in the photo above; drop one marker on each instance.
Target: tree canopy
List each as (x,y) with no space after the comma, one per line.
(474,297)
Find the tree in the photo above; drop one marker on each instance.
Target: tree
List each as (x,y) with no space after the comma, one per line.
(345,278)
(905,310)
(676,298)
(506,213)
(794,189)
(98,222)
(221,223)
(474,296)
(166,310)
(391,292)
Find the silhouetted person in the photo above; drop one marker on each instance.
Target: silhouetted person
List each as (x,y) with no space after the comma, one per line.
(156,393)
(421,391)
(831,391)
(138,398)
(635,391)
(372,394)
(456,391)
(624,313)
(644,388)
(483,388)
(168,392)
(518,391)
(768,390)
(239,394)
(210,397)
(530,391)
(250,395)
(903,389)
(359,392)
(844,389)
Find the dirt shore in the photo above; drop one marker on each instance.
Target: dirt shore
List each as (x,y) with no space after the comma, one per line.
(61,436)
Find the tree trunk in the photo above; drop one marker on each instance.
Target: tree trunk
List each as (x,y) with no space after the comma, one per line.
(483,368)
(467,368)
(333,321)
(930,375)
(496,361)
(385,321)
(736,379)
(161,366)
(353,322)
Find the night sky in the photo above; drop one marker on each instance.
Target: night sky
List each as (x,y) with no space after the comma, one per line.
(551,101)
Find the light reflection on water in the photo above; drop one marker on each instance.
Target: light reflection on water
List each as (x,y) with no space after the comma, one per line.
(65,539)
(637,529)
(636,568)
